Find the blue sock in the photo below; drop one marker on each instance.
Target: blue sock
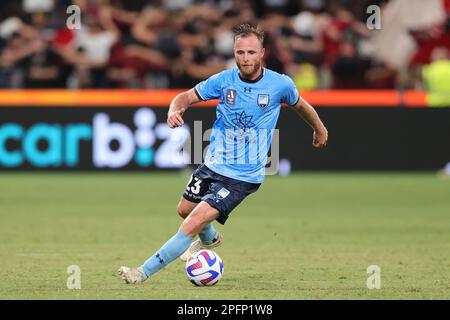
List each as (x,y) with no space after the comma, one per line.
(208,234)
(171,250)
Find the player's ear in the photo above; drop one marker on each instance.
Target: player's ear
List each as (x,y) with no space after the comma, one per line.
(263,50)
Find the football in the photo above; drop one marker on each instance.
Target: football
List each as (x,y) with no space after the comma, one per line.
(204,268)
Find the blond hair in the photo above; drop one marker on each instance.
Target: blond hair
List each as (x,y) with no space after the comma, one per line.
(246,29)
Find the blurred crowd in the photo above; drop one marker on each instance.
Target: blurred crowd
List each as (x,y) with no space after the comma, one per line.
(321,44)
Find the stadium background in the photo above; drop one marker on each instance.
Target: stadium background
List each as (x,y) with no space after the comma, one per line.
(95,99)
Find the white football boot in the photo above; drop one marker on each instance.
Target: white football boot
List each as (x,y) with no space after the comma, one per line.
(198,245)
(132,275)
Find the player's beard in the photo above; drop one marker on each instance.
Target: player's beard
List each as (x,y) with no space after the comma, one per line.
(248,72)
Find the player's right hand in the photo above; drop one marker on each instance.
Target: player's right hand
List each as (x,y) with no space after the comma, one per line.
(175,118)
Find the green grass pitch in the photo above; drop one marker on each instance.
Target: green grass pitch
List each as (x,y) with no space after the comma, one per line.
(306,236)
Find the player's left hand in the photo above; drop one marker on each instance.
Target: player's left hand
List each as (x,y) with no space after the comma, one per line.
(320,138)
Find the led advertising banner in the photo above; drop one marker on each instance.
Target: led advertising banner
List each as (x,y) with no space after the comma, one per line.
(138,138)
(89,138)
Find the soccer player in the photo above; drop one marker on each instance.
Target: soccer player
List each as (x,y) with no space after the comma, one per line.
(234,167)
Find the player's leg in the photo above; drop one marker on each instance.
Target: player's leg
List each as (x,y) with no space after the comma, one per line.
(197,187)
(185,207)
(224,194)
(195,190)
(174,247)
(137,275)
(202,214)
(209,236)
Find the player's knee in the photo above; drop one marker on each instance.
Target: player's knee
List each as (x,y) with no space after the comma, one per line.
(204,214)
(198,219)
(192,225)
(182,210)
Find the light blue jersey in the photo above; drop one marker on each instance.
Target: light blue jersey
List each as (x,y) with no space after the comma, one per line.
(246,115)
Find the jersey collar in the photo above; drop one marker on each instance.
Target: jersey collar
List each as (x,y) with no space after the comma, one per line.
(252,81)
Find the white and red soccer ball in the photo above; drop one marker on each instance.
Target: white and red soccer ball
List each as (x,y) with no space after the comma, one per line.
(204,268)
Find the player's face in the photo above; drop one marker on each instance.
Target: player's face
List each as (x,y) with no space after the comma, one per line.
(248,53)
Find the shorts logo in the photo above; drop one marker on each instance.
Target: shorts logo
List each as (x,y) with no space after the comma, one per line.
(231,96)
(263,100)
(223,193)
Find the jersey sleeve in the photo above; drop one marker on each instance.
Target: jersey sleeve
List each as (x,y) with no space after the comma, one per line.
(291,96)
(209,88)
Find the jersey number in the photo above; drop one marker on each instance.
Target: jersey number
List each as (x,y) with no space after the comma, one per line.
(195,187)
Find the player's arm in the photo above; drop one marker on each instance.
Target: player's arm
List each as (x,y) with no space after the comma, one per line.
(310,116)
(179,105)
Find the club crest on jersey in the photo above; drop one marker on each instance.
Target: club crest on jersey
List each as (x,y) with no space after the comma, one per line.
(231,96)
(263,100)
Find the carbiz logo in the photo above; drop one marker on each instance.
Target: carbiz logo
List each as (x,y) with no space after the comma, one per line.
(114,145)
